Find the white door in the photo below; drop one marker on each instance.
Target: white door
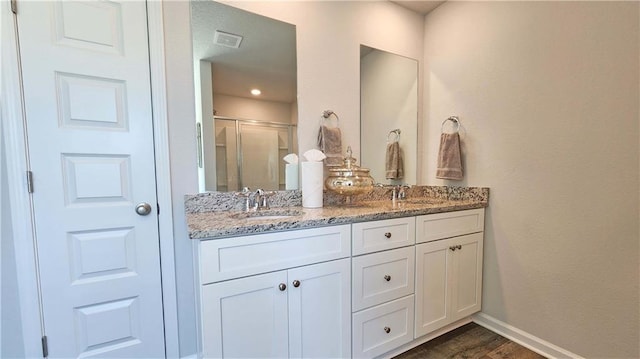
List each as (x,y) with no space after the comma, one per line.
(246,317)
(89,127)
(320,310)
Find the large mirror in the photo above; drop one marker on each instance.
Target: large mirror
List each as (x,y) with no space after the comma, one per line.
(388,116)
(243,135)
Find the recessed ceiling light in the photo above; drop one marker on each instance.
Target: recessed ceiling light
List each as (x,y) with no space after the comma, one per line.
(256,92)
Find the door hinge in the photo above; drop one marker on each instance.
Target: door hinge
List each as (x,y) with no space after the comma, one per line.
(45,347)
(14,6)
(158,204)
(30,181)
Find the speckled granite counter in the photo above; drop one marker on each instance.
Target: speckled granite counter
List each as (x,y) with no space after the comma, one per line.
(216,215)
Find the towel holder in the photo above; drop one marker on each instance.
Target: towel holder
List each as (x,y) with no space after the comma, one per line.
(394,132)
(327,113)
(453,119)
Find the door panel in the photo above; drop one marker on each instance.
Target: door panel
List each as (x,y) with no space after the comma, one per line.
(89,127)
(467,294)
(319,310)
(432,286)
(245,318)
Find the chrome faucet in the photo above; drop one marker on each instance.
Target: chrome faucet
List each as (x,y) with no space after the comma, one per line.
(398,192)
(254,201)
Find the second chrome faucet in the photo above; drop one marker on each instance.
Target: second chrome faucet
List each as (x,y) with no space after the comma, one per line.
(254,201)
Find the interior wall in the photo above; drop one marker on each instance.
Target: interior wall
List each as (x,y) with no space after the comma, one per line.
(328,55)
(548,96)
(250,109)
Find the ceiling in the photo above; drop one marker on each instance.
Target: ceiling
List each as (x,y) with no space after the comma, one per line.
(421,7)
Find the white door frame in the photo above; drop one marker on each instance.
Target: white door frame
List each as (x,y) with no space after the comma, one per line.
(13,132)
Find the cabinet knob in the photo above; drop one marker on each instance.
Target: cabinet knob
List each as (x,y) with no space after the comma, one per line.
(387,330)
(458,247)
(296,283)
(387,277)
(453,248)
(282,287)
(388,234)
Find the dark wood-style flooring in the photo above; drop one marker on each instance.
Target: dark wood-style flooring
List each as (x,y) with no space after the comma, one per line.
(470,341)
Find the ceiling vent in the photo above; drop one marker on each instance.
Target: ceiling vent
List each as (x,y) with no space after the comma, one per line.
(226,39)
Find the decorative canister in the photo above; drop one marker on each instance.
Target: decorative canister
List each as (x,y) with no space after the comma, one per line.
(350,179)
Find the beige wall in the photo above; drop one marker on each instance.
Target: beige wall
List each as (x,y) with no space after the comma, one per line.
(329,35)
(548,94)
(249,109)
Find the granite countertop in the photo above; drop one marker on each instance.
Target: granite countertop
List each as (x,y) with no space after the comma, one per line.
(213,224)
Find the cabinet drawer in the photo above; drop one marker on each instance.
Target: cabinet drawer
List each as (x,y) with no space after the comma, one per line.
(383,328)
(382,235)
(445,225)
(228,258)
(383,276)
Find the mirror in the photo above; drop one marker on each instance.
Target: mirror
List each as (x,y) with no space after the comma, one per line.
(242,137)
(388,114)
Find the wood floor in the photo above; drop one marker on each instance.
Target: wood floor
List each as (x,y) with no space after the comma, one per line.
(470,341)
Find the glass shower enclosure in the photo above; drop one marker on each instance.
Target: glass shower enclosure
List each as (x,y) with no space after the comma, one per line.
(248,153)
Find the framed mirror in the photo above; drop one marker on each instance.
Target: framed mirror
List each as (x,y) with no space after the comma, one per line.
(246,110)
(388,116)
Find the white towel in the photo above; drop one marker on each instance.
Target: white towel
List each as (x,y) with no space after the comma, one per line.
(449,157)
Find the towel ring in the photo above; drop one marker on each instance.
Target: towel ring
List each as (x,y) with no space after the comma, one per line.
(453,119)
(394,132)
(327,113)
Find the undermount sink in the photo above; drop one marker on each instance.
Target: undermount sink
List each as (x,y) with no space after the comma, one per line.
(268,214)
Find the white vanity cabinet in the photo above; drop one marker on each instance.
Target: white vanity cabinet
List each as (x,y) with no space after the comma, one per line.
(448,268)
(361,290)
(383,285)
(263,298)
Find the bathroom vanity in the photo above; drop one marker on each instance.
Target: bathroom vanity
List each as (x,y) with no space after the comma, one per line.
(367,280)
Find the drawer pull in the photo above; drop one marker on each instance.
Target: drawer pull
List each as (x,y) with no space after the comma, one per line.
(388,234)
(387,330)
(282,287)
(387,277)
(296,283)
(453,248)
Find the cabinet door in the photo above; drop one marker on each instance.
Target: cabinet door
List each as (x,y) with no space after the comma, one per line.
(252,314)
(448,281)
(432,285)
(466,296)
(320,311)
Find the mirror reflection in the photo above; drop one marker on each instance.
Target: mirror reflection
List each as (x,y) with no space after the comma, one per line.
(388,116)
(246,109)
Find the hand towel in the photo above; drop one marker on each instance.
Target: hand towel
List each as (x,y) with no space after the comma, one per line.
(449,158)
(330,142)
(394,166)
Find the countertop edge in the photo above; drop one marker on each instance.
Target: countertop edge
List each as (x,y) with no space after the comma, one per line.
(316,218)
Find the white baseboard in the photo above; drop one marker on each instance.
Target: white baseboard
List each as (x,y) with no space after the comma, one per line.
(523,338)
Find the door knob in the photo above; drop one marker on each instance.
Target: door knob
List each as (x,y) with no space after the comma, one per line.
(388,234)
(282,287)
(387,277)
(143,208)
(387,330)
(296,283)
